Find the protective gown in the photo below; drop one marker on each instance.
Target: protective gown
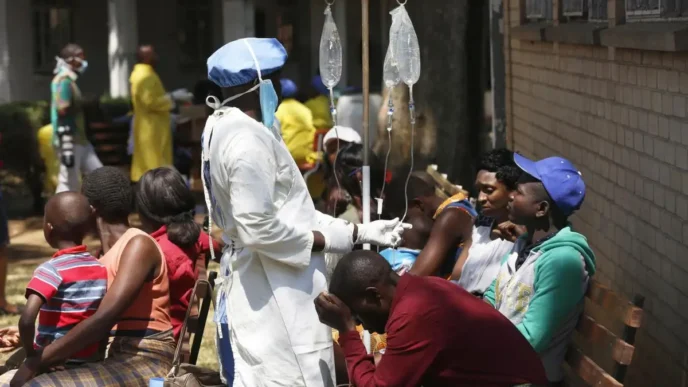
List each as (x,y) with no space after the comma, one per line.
(261,203)
(152,135)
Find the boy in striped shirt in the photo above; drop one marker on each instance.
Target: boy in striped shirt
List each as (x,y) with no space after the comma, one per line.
(68,288)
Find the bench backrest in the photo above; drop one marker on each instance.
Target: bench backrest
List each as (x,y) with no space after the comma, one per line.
(199,306)
(444,188)
(597,355)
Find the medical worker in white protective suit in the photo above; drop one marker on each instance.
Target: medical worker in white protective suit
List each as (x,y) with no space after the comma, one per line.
(256,195)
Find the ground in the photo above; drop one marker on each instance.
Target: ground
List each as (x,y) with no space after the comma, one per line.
(28,249)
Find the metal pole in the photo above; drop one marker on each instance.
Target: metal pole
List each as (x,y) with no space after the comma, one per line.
(366,128)
(365,16)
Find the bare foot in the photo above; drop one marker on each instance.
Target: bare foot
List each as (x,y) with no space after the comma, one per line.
(9,309)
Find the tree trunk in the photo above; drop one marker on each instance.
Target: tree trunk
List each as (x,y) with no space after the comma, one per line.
(445,133)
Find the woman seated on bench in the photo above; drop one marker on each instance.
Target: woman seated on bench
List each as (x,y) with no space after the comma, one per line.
(452,221)
(135,307)
(166,207)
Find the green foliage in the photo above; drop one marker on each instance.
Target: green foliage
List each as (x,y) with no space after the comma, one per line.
(114,107)
(20,121)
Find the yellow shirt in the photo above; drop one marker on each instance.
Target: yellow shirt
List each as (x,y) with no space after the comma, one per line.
(152,132)
(47,152)
(298,131)
(377,342)
(320,108)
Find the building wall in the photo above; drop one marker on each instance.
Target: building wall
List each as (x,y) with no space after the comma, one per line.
(620,117)
(90,31)
(157,25)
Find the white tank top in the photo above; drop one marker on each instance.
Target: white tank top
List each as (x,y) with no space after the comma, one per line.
(483,262)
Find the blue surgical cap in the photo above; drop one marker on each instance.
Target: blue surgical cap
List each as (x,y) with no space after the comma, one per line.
(289,88)
(233,65)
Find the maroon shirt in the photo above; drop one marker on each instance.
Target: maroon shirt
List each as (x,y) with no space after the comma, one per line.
(440,335)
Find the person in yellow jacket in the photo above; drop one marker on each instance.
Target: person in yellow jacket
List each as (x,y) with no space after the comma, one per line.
(50,161)
(152,134)
(319,104)
(296,122)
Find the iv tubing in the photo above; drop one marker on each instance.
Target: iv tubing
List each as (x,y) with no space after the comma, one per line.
(412,112)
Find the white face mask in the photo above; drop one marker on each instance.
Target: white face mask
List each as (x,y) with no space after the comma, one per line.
(62,64)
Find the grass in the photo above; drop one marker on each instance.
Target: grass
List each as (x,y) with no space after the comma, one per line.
(25,255)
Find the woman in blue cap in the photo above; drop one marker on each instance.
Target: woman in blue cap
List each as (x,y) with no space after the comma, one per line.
(271,272)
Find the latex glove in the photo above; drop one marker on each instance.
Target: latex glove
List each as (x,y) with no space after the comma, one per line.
(339,237)
(382,232)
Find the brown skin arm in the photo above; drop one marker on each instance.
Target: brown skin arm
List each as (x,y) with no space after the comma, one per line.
(451,227)
(140,260)
(458,267)
(27,322)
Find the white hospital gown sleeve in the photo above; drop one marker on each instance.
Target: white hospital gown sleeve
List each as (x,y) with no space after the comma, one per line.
(325,220)
(251,185)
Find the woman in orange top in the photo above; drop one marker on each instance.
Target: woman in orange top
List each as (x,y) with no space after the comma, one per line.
(135,307)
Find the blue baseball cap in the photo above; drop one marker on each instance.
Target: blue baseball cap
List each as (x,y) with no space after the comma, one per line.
(561,179)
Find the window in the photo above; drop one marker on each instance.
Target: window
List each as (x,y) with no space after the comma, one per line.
(597,10)
(539,9)
(194,34)
(287,19)
(574,7)
(52,30)
(656,8)
(593,10)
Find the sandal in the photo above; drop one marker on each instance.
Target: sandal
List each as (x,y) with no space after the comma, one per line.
(5,311)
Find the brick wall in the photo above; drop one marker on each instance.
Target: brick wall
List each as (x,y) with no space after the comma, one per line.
(620,117)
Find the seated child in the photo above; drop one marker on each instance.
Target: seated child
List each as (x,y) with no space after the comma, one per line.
(413,241)
(68,288)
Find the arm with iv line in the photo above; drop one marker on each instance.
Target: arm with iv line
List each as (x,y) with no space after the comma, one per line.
(251,183)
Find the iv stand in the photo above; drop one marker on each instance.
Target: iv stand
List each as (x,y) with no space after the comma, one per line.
(365,16)
(365,33)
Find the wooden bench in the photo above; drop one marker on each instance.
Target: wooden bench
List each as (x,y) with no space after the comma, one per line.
(444,188)
(199,307)
(597,356)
